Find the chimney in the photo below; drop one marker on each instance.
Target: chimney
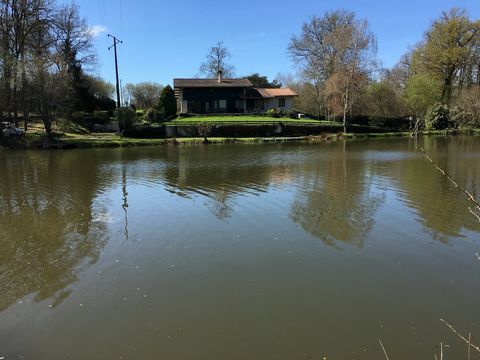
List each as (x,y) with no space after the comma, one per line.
(219,75)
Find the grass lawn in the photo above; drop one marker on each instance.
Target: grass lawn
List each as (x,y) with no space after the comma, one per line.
(245,120)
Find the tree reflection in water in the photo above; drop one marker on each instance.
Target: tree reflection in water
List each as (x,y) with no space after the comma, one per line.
(50,225)
(337,201)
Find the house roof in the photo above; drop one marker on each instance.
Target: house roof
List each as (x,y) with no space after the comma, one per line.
(252,93)
(277,92)
(203,83)
(270,93)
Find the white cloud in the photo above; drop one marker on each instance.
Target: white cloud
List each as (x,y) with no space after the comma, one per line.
(96,30)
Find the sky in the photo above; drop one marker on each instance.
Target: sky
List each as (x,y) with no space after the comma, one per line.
(163,40)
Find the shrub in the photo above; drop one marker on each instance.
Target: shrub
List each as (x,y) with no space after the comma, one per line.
(461,118)
(204,130)
(466,110)
(168,103)
(153,115)
(437,117)
(102,117)
(274,113)
(126,118)
(292,114)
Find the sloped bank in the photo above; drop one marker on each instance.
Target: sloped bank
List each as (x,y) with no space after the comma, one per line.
(243,130)
(114,141)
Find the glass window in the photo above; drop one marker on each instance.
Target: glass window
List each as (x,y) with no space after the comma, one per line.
(222,104)
(281,102)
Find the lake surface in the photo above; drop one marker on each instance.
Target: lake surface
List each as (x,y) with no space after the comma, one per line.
(239,251)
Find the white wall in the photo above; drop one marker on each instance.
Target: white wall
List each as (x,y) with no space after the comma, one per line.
(273,104)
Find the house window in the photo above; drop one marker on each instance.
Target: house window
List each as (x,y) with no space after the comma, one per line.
(210,106)
(239,106)
(281,102)
(222,105)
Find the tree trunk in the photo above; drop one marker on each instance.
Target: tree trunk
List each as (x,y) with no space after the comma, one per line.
(345,110)
(447,88)
(47,123)
(25,106)
(14,95)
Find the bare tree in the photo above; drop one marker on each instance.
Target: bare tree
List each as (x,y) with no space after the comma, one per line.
(356,49)
(144,95)
(217,61)
(312,56)
(72,54)
(19,20)
(336,53)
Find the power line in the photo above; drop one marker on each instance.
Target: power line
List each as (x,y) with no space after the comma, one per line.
(102,12)
(121,18)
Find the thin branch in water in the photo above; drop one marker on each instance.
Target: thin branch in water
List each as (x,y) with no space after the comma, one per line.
(383,348)
(469,342)
(469,195)
(441,351)
(474,214)
(478,256)
(436,358)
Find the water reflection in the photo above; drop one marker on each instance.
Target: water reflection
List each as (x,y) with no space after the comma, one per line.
(54,222)
(218,173)
(50,225)
(441,209)
(337,201)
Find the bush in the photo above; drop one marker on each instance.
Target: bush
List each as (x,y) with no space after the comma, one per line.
(274,113)
(167,104)
(437,117)
(461,118)
(153,115)
(292,114)
(126,118)
(204,130)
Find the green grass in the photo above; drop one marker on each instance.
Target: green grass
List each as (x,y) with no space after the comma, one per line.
(245,120)
(35,139)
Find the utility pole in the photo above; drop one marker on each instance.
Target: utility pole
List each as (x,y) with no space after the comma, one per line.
(115,42)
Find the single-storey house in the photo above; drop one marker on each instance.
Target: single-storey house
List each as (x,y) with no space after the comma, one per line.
(216,96)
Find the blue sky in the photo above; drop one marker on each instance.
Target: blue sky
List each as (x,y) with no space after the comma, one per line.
(167,39)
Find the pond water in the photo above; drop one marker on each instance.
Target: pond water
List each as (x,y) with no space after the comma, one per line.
(239,251)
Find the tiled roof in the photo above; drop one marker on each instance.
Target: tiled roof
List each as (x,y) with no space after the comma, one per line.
(277,92)
(270,93)
(201,83)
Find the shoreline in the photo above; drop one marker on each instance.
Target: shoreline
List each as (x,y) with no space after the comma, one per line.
(91,141)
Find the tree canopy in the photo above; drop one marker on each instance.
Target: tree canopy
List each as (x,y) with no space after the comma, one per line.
(218,57)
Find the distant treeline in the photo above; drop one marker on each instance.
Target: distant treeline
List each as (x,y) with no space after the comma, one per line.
(46,54)
(436,83)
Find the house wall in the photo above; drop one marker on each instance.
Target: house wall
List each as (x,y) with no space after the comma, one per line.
(180,102)
(273,104)
(212,100)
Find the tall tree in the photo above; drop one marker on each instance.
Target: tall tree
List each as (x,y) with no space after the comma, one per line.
(144,95)
(167,104)
(421,93)
(336,52)
(19,20)
(449,50)
(260,81)
(217,61)
(73,52)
